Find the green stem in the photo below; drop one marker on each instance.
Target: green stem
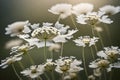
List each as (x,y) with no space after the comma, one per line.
(102,44)
(73,21)
(21,65)
(45,51)
(30,58)
(16,72)
(84,62)
(61,54)
(92,53)
(46,76)
(52,74)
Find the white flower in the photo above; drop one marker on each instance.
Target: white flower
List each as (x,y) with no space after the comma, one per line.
(110,10)
(70,76)
(68,65)
(45,33)
(33,71)
(12,43)
(21,49)
(83,40)
(49,65)
(97,72)
(55,47)
(98,29)
(82,8)
(101,64)
(17,28)
(91,77)
(93,18)
(63,10)
(10,60)
(111,53)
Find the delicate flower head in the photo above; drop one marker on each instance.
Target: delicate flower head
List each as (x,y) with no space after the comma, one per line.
(21,49)
(63,10)
(83,40)
(66,64)
(49,65)
(98,29)
(93,18)
(100,64)
(13,42)
(9,60)
(82,8)
(97,72)
(91,77)
(34,71)
(112,53)
(55,47)
(45,33)
(110,10)
(17,28)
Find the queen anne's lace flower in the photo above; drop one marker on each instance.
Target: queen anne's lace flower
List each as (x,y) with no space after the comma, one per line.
(110,10)
(68,65)
(83,40)
(13,42)
(82,8)
(93,18)
(45,33)
(63,10)
(10,60)
(49,65)
(21,49)
(112,53)
(101,64)
(34,71)
(17,28)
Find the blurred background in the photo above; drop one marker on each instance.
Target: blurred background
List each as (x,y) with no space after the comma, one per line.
(36,11)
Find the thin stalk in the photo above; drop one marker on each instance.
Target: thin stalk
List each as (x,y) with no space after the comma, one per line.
(92,28)
(39,78)
(52,74)
(105,75)
(101,41)
(51,54)
(46,76)
(96,48)
(108,34)
(16,72)
(73,21)
(45,51)
(61,53)
(21,65)
(30,58)
(92,53)
(84,62)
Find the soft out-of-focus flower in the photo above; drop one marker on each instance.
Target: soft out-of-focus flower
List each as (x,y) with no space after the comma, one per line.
(17,28)
(110,10)
(93,18)
(111,53)
(34,71)
(101,64)
(63,10)
(82,8)
(13,42)
(97,72)
(10,60)
(21,49)
(70,76)
(45,33)
(98,29)
(49,65)
(55,47)
(83,40)
(68,65)
(91,77)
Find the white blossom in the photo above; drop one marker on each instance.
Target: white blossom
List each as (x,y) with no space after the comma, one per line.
(63,10)
(82,8)
(10,60)
(17,28)
(110,10)
(93,18)
(34,71)
(84,40)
